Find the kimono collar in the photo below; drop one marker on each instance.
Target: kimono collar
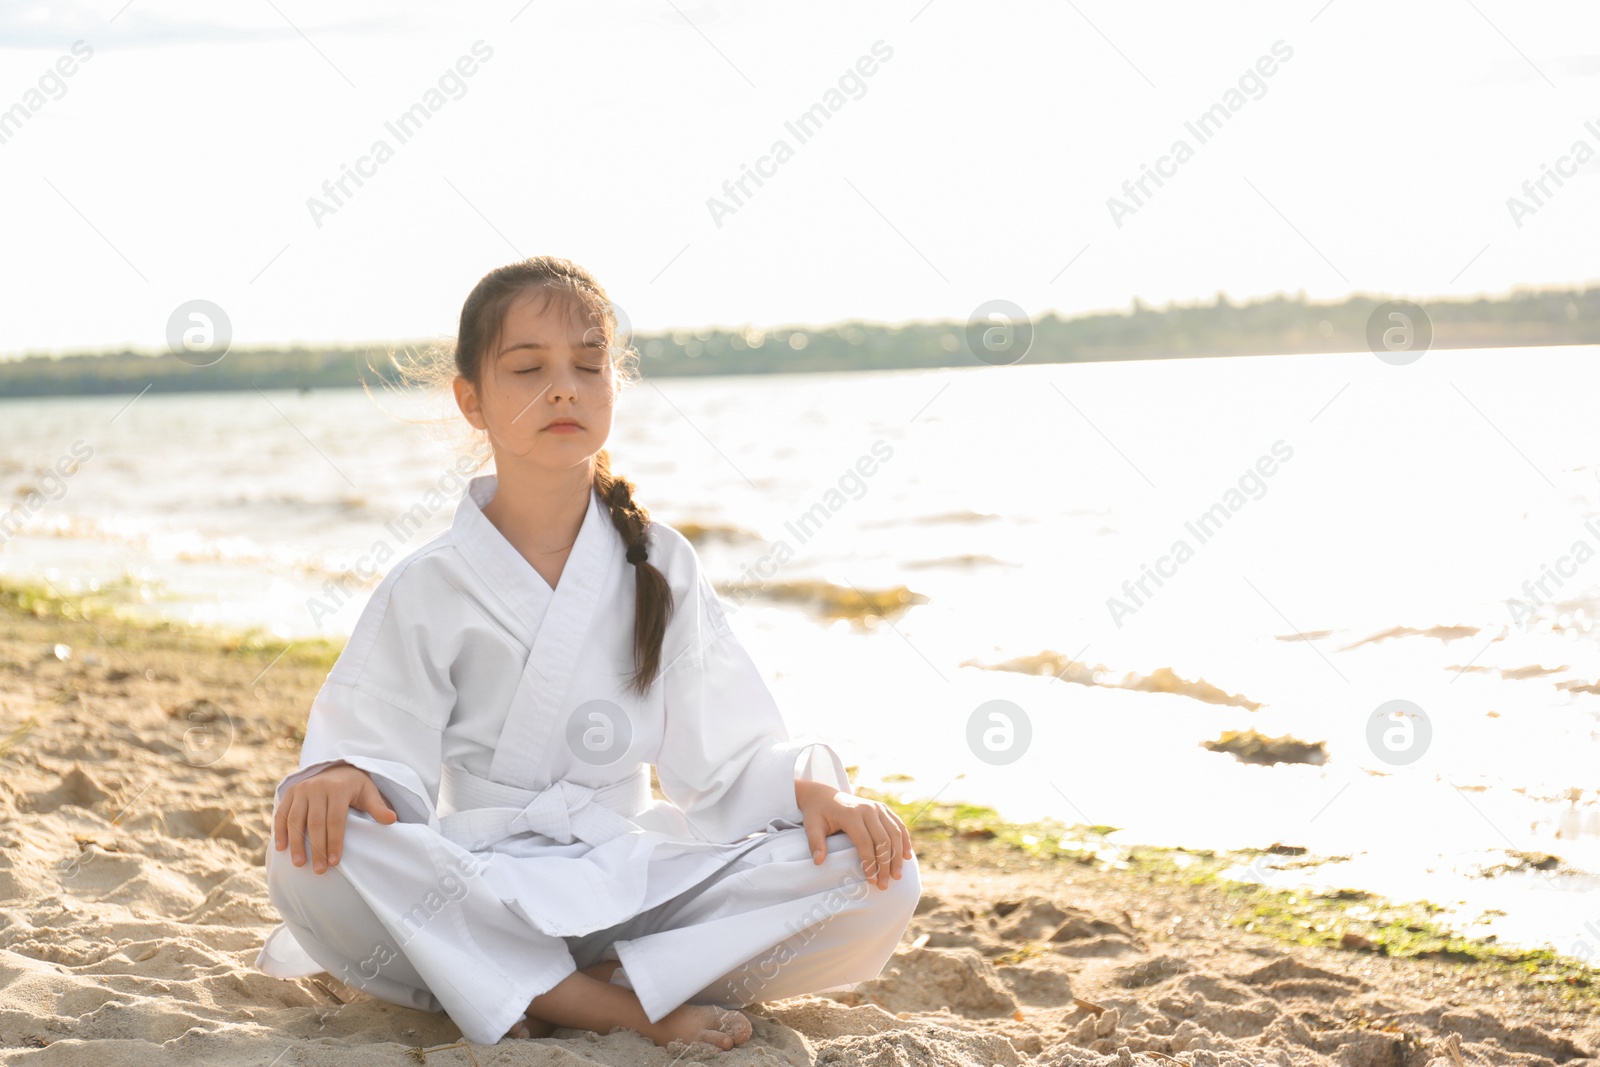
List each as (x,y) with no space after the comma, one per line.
(556,623)
(501,568)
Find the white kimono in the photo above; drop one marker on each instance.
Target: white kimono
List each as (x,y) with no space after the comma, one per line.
(493,714)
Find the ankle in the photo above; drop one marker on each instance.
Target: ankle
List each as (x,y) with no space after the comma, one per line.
(602,970)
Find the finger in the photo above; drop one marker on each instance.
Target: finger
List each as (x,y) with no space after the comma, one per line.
(816,838)
(317,825)
(892,841)
(862,840)
(900,838)
(337,814)
(371,801)
(882,850)
(905,834)
(280,829)
(295,820)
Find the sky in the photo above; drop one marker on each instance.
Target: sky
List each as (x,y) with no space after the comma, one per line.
(965,153)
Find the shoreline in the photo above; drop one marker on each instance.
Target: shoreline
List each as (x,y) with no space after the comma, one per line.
(136,809)
(1350,918)
(1352,921)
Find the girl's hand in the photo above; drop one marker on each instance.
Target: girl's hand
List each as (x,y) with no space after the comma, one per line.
(320,804)
(881,839)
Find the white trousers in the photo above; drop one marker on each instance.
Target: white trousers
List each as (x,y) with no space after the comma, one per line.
(768,925)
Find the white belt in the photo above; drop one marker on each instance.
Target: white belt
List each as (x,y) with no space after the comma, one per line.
(480,811)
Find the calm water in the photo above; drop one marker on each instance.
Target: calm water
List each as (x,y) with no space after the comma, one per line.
(1404,507)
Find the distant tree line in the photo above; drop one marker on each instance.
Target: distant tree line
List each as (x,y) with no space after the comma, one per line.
(1277,326)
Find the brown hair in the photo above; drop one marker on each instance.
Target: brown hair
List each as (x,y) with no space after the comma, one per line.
(572,290)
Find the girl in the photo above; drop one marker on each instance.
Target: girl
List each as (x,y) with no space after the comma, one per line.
(474,788)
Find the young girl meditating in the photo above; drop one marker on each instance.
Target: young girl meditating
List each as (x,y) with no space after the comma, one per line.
(472,829)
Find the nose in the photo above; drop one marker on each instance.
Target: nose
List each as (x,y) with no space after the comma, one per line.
(564,383)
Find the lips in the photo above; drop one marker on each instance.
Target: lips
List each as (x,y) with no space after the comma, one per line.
(570,423)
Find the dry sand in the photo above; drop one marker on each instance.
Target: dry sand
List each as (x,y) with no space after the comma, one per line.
(134,815)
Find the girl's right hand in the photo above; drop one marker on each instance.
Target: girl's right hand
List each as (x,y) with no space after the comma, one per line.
(319,804)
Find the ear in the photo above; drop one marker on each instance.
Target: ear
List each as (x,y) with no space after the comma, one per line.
(467,401)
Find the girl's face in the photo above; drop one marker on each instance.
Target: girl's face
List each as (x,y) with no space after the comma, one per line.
(546,369)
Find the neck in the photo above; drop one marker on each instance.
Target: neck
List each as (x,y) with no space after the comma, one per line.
(539,505)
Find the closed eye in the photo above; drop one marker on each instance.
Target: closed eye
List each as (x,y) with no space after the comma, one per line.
(530,370)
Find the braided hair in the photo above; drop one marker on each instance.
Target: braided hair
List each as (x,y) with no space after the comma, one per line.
(654,594)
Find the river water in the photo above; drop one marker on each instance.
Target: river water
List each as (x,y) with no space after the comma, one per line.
(1316,535)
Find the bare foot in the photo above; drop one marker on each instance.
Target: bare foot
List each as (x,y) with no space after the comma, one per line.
(601,970)
(530,1028)
(534,1027)
(722,1027)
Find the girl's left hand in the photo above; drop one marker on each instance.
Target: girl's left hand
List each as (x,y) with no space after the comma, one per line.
(881,839)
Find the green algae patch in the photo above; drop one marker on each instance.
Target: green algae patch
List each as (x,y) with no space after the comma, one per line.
(1343,919)
(106,619)
(861,607)
(1252,746)
(957,820)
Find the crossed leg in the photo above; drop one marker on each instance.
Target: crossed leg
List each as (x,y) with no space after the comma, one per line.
(823,927)
(533,1027)
(587,999)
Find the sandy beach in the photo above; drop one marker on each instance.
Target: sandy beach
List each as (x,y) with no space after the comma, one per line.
(135,813)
